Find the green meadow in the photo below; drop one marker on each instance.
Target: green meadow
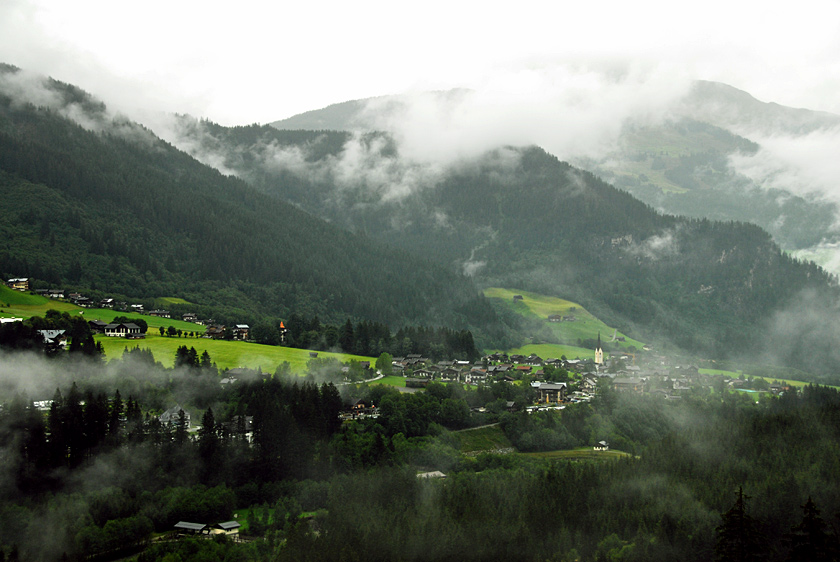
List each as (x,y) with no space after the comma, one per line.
(488,438)
(579,454)
(225,354)
(540,307)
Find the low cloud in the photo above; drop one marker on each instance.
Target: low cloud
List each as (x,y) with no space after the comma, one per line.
(805,165)
(656,247)
(27,88)
(570,112)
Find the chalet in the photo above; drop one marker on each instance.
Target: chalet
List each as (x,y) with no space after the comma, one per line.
(19,284)
(601,446)
(423,374)
(240,332)
(190,317)
(138,308)
(475,377)
(534,360)
(187,528)
(53,338)
(628,384)
(172,416)
(215,331)
(229,528)
(160,313)
(589,383)
(128,330)
(450,374)
(555,317)
(551,392)
(80,300)
(361,409)
(51,293)
(106,303)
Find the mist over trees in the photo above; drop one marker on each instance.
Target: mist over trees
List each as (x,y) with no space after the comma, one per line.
(101,472)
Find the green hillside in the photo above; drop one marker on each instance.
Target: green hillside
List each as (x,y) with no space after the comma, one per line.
(226,354)
(123,214)
(519,217)
(569,334)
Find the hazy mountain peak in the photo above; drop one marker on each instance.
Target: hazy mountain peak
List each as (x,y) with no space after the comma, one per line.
(728,107)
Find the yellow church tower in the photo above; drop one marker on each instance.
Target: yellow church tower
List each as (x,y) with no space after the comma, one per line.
(599,352)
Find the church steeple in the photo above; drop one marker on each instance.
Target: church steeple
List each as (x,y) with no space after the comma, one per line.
(599,352)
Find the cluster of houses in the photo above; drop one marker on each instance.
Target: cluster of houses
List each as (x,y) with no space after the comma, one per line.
(229,528)
(130,330)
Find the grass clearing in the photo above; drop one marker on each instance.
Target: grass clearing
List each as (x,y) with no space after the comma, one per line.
(225,354)
(490,438)
(771,380)
(393,380)
(579,454)
(540,307)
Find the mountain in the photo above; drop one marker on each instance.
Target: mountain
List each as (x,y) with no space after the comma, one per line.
(94,202)
(733,109)
(707,157)
(519,217)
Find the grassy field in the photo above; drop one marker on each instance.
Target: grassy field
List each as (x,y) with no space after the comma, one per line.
(540,307)
(578,454)
(26,305)
(226,354)
(393,380)
(16,304)
(488,438)
(736,374)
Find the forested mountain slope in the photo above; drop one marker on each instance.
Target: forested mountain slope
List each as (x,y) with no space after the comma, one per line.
(108,207)
(520,217)
(713,152)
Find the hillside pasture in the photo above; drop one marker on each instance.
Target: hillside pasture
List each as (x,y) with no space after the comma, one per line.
(225,354)
(540,307)
(579,454)
(481,439)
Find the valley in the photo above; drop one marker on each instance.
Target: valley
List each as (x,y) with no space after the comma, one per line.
(500,353)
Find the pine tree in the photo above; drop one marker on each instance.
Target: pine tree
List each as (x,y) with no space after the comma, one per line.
(739,538)
(809,540)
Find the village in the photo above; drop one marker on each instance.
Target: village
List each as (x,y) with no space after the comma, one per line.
(554,382)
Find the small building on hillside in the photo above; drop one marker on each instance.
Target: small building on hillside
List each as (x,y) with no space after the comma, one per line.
(187,528)
(240,332)
(172,417)
(19,283)
(228,528)
(128,330)
(551,392)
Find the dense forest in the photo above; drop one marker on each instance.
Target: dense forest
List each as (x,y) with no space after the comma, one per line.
(97,472)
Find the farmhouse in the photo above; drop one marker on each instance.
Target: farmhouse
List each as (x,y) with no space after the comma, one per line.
(188,528)
(240,332)
(19,284)
(551,392)
(228,528)
(128,330)
(172,416)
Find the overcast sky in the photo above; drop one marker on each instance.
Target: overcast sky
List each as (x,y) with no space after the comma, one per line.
(255,61)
